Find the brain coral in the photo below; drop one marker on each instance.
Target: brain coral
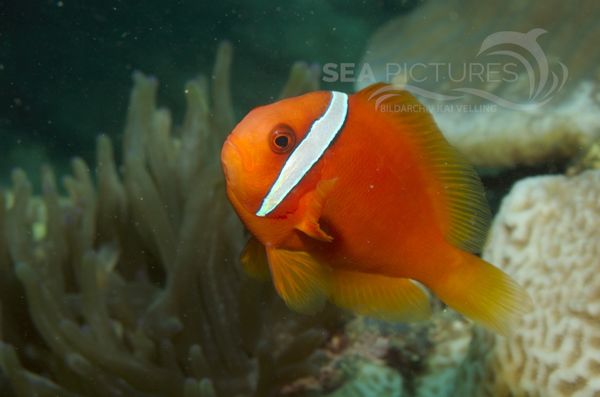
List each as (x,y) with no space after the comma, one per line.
(547,235)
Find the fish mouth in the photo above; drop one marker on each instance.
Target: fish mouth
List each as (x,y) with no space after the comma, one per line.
(233,169)
(231,159)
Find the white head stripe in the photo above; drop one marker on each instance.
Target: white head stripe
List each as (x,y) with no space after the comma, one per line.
(308,152)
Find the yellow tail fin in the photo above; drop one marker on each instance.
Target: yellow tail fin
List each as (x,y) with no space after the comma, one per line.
(483,293)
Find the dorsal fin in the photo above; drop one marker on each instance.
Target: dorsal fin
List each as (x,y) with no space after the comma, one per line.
(468,215)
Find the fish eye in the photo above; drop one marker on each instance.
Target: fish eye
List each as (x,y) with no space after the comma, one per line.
(282,139)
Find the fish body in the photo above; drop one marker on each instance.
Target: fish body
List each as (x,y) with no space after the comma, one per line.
(366,204)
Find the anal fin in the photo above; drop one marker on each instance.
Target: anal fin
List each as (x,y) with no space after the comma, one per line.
(382,297)
(299,279)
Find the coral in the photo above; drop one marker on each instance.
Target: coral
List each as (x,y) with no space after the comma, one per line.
(372,357)
(371,380)
(546,235)
(450,337)
(130,285)
(499,136)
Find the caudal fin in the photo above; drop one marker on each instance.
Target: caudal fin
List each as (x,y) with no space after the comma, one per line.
(484,294)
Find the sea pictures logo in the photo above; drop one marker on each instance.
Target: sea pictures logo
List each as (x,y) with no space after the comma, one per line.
(507,62)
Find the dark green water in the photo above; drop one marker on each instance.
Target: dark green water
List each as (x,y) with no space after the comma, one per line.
(65,66)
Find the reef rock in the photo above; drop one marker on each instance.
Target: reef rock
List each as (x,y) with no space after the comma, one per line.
(450,336)
(372,380)
(509,82)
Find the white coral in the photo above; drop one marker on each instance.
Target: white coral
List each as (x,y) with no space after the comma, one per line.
(547,236)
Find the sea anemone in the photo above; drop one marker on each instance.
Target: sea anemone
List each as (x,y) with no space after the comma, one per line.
(129,285)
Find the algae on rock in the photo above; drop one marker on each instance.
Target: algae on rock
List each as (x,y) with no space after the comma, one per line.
(130,285)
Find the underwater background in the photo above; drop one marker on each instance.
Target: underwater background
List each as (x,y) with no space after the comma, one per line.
(60,60)
(119,252)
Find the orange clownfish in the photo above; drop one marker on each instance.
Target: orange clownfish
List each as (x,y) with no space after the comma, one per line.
(360,200)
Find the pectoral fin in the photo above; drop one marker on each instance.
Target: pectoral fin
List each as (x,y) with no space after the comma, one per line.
(311,206)
(312,229)
(299,279)
(254,260)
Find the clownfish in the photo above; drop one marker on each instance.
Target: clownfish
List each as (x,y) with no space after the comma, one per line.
(360,200)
